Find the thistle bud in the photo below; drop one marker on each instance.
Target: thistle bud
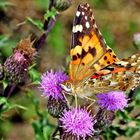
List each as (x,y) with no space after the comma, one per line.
(68,136)
(56,106)
(62,5)
(104,118)
(15,66)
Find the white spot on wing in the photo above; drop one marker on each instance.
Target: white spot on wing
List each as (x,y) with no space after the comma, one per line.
(78,13)
(73,29)
(83,13)
(113,83)
(104,41)
(95,26)
(88,5)
(85,8)
(133,64)
(85,17)
(87,24)
(133,56)
(100,33)
(122,63)
(77,28)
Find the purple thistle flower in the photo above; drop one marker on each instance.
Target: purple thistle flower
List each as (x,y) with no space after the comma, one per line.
(16,65)
(114,100)
(77,122)
(18,56)
(50,83)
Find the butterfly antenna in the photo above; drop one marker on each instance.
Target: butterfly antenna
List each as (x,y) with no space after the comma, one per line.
(89,99)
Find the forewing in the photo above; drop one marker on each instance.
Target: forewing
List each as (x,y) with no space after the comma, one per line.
(89,52)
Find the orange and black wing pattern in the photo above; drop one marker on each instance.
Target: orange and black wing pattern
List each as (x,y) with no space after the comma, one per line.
(89,52)
(123,75)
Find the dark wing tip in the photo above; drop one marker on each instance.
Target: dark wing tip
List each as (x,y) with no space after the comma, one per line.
(85,7)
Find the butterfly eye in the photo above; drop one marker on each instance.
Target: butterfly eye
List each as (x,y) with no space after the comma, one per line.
(67,87)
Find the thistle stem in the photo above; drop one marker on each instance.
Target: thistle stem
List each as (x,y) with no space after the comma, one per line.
(43,37)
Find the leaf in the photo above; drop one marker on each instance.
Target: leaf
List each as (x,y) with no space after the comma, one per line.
(7,44)
(49,14)
(130,131)
(3,40)
(18,106)
(42,129)
(34,75)
(4,4)
(2,100)
(47,131)
(124,116)
(36,22)
(5,105)
(37,128)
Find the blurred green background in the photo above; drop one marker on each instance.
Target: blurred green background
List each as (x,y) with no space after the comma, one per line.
(118,21)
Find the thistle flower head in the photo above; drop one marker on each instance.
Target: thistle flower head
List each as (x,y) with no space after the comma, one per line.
(104,118)
(114,100)
(77,122)
(50,83)
(15,66)
(25,47)
(56,106)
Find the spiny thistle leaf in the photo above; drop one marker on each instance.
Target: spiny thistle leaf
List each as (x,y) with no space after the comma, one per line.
(36,22)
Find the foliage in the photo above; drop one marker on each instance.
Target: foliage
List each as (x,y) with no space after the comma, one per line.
(4,4)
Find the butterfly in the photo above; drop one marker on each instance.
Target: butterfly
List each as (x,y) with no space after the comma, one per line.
(94,67)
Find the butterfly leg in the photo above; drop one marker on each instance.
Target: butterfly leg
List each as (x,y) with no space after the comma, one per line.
(66,99)
(90,99)
(75,96)
(90,105)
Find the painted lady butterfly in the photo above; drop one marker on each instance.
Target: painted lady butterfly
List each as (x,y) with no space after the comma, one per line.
(94,68)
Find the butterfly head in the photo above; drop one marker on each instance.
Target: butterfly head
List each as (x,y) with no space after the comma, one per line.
(67,87)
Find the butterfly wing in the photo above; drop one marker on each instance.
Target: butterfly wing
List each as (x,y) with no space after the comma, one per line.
(89,52)
(122,75)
